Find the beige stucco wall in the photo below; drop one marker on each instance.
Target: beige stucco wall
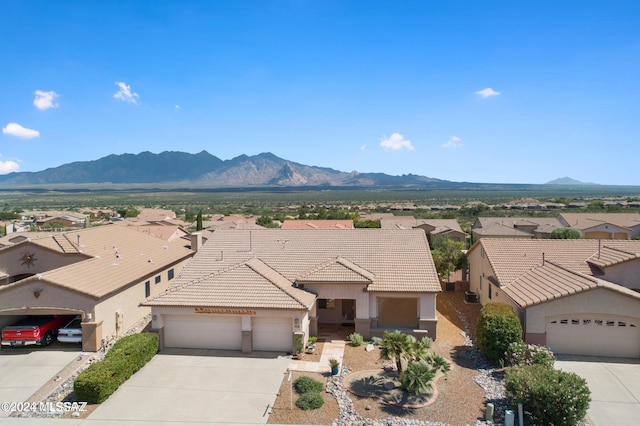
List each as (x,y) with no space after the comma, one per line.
(128,302)
(21,296)
(606,232)
(598,301)
(626,274)
(300,320)
(45,260)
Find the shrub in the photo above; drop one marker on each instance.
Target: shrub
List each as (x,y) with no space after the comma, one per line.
(498,327)
(519,353)
(95,384)
(548,396)
(310,401)
(356,339)
(417,377)
(306,384)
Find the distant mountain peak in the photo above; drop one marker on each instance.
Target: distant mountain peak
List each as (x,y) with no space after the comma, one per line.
(567,181)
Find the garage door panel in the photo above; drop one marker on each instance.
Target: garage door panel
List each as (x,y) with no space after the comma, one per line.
(206,332)
(272,334)
(594,335)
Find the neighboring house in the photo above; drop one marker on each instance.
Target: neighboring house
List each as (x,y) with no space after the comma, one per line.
(514,227)
(255,289)
(432,227)
(156,215)
(317,224)
(164,232)
(575,296)
(101,274)
(604,226)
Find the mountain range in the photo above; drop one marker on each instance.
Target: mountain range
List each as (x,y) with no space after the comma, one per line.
(206,170)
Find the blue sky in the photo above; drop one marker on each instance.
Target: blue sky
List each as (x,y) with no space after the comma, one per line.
(477,91)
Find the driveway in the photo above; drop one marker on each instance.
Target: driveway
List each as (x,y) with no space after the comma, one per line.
(198,386)
(614,384)
(24,370)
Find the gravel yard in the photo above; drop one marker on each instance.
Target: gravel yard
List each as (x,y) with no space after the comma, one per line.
(460,399)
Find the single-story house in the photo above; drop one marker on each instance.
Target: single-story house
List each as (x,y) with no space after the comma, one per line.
(432,227)
(101,274)
(255,289)
(514,227)
(616,226)
(575,296)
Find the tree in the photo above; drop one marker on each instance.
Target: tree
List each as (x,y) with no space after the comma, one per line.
(565,234)
(448,256)
(421,365)
(393,345)
(199,226)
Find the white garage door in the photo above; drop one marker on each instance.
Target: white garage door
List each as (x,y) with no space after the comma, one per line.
(272,334)
(203,332)
(594,335)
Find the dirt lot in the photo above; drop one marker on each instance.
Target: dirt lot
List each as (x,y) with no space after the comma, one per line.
(460,400)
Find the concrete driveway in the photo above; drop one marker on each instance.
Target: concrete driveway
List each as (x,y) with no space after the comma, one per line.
(24,370)
(197,386)
(614,384)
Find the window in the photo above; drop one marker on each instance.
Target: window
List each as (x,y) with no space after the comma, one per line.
(158,278)
(490,286)
(326,304)
(147,289)
(170,274)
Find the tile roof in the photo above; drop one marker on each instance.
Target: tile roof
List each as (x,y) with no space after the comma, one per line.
(511,258)
(535,270)
(317,224)
(249,284)
(584,221)
(115,257)
(550,281)
(390,260)
(338,270)
(408,222)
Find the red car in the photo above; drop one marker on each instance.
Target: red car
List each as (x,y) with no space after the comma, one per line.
(34,330)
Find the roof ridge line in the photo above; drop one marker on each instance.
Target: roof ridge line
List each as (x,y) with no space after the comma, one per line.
(248,264)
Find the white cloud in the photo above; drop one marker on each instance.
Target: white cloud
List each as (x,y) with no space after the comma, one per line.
(45,100)
(177,107)
(487,93)
(14,129)
(453,142)
(8,167)
(125,93)
(396,142)
(363,148)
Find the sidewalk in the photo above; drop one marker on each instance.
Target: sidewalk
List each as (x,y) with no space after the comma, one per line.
(332,349)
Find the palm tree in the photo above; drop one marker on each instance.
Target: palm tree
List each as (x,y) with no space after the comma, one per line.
(394,344)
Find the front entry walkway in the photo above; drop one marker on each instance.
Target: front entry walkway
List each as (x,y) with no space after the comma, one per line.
(332,349)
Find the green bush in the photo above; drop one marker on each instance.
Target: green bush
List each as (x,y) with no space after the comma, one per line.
(548,396)
(95,384)
(417,377)
(498,327)
(356,339)
(519,353)
(310,401)
(306,384)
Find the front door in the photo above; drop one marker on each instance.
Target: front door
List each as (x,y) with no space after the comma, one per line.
(348,310)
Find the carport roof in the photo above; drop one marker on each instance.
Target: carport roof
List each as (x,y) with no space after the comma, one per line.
(115,257)
(383,260)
